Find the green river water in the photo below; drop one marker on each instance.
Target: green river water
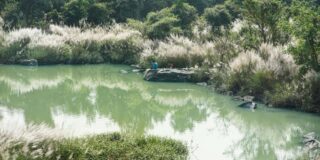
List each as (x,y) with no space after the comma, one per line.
(90,99)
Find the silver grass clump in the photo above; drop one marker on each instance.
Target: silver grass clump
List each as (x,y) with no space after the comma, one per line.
(268,58)
(30,139)
(57,36)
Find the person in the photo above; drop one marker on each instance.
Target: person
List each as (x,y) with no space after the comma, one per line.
(154,65)
(154,69)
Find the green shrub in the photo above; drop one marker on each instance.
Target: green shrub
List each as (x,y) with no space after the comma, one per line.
(14,52)
(86,53)
(145,62)
(50,55)
(218,78)
(179,61)
(260,82)
(311,93)
(284,95)
(101,147)
(249,83)
(217,16)
(99,13)
(121,51)
(74,11)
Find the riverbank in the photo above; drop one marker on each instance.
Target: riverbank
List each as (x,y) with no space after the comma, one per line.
(269,73)
(104,146)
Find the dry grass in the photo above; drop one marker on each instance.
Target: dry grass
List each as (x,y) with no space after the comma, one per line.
(268,58)
(184,52)
(57,36)
(28,140)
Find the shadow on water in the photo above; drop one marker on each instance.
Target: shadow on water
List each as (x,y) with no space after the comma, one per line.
(99,98)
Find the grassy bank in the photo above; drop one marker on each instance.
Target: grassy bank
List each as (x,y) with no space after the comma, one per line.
(268,72)
(40,144)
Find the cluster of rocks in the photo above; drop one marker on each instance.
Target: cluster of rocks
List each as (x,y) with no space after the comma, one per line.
(311,141)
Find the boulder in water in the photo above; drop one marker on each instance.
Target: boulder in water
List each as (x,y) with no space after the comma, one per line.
(249,105)
(28,62)
(169,75)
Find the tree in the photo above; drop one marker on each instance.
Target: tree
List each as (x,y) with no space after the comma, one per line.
(154,5)
(217,16)
(265,15)
(202,4)
(12,15)
(34,11)
(54,16)
(161,24)
(74,11)
(124,9)
(185,13)
(98,14)
(304,25)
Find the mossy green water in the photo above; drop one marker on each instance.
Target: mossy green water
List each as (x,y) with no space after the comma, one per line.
(98,99)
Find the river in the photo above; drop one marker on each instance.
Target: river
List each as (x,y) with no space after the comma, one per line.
(92,99)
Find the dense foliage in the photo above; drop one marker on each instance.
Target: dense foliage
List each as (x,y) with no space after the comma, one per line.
(266,48)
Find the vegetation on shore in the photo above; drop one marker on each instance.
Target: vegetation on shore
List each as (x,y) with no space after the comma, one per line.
(39,142)
(267,49)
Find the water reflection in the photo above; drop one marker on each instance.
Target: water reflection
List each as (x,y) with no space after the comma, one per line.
(82,100)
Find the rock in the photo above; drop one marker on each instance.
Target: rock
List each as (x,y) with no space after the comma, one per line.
(169,75)
(311,135)
(237,98)
(245,98)
(135,66)
(249,105)
(28,62)
(248,98)
(138,70)
(202,84)
(123,71)
(310,141)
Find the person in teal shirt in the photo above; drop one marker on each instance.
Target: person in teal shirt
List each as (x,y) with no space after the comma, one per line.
(154,65)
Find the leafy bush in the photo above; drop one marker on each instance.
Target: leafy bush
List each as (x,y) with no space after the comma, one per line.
(75,10)
(98,14)
(122,51)
(217,16)
(50,55)
(14,52)
(161,24)
(87,53)
(310,92)
(285,95)
(186,14)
